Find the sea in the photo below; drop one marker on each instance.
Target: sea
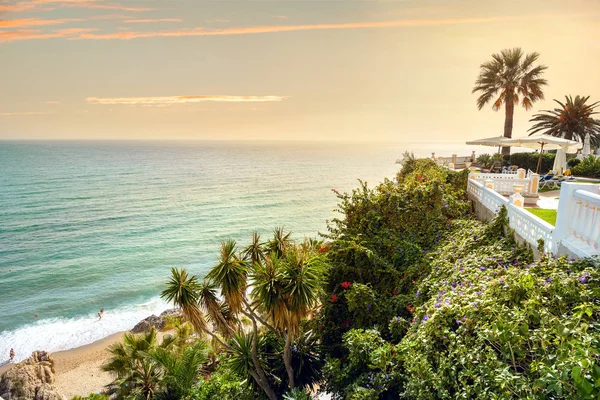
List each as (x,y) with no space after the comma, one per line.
(87,225)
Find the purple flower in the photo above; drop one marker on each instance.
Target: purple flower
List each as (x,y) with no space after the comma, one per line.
(584,278)
(501,280)
(460,293)
(568,270)
(453,284)
(482,268)
(475,304)
(548,280)
(426,318)
(437,305)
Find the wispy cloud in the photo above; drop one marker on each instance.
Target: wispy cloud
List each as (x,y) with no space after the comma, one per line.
(30,34)
(280,16)
(219,20)
(52,102)
(110,16)
(26,22)
(163,101)
(23,113)
(139,21)
(201,31)
(89,34)
(41,5)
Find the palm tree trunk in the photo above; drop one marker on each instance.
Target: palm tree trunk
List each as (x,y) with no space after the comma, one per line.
(259,369)
(508,120)
(287,360)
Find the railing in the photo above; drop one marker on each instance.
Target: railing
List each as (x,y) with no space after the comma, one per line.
(578,219)
(505,183)
(493,200)
(528,226)
(475,189)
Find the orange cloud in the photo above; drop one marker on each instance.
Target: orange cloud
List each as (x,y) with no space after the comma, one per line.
(30,34)
(110,16)
(137,21)
(94,4)
(25,22)
(201,31)
(280,16)
(163,101)
(14,114)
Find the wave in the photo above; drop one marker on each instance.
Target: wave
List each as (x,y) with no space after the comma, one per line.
(58,334)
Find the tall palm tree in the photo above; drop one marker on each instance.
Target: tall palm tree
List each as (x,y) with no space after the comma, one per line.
(573,120)
(510,78)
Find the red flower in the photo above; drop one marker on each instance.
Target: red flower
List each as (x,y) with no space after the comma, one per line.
(335,191)
(395,293)
(333,298)
(419,177)
(345,323)
(323,249)
(410,308)
(346,285)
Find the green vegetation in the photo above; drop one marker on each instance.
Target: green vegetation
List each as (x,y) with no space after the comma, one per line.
(510,78)
(547,215)
(409,297)
(589,167)
(573,120)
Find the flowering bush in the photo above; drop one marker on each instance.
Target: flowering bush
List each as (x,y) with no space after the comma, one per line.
(486,321)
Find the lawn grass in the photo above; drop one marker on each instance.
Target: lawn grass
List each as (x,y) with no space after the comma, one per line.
(547,215)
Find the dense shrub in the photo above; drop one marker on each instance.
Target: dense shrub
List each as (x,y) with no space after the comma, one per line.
(573,162)
(454,311)
(224,384)
(589,167)
(530,160)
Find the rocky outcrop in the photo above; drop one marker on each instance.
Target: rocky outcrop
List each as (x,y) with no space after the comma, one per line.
(156,322)
(31,379)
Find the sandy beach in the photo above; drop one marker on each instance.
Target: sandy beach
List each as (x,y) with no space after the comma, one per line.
(78,370)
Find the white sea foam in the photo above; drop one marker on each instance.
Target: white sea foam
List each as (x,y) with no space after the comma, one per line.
(66,333)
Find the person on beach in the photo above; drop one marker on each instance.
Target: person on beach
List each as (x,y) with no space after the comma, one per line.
(100,314)
(12,354)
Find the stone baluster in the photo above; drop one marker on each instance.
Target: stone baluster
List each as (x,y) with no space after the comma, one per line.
(576,221)
(534,183)
(521,173)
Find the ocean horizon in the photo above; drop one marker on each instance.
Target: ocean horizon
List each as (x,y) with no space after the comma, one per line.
(86,225)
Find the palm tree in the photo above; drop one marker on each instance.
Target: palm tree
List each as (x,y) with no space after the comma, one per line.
(231,275)
(573,120)
(254,252)
(135,375)
(180,371)
(508,79)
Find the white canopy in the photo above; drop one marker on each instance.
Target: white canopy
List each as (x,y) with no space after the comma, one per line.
(544,142)
(493,141)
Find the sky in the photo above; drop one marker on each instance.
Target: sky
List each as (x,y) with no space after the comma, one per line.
(379,71)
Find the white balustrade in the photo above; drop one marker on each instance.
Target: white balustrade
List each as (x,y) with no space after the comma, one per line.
(493,200)
(530,227)
(578,219)
(475,189)
(587,226)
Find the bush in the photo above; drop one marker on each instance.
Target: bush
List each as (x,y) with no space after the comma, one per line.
(530,160)
(224,384)
(589,167)
(573,162)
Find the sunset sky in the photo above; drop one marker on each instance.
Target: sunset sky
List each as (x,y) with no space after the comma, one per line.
(390,71)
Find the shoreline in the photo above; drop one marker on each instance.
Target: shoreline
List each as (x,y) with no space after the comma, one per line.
(77,370)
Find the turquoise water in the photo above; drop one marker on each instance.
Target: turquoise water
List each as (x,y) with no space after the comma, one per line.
(90,225)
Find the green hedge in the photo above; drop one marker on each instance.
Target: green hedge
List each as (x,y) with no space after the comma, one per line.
(589,167)
(530,160)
